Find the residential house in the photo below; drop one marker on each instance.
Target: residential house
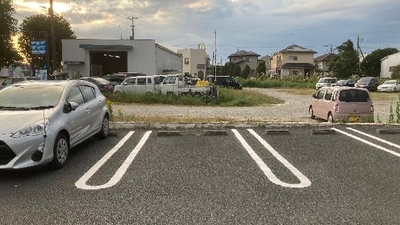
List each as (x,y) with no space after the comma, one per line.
(195,62)
(243,58)
(267,60)
(293,60)
(322,62)
(388,64)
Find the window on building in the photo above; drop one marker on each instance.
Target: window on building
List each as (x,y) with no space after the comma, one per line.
(186,60)
(293,72)
(391,69)
(293,58)
(247,59)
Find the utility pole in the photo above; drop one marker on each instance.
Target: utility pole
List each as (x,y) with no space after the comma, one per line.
(53,39)
(359,52)
(358,46)
(132,26)
(215,58)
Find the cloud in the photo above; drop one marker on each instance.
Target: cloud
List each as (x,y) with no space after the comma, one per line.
(262,26)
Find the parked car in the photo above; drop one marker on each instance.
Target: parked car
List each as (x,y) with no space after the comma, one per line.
(342,104)
(103,84)
(325,82)
(12,80)
(118,78)
(42,120)
(370,83)
(349,83)
(225,81)
(389,86)
(139,85)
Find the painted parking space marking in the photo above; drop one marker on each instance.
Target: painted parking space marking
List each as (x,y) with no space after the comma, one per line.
(81,183)
(373,137)
(368,142)
(304,181)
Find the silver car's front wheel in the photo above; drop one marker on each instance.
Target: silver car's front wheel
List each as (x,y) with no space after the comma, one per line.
(60,151)
(105,128)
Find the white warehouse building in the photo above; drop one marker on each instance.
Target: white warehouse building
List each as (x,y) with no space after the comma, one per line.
(388,64)
(95,57)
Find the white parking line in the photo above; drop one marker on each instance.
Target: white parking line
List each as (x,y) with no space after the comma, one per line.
(367,142)
(373,137)
(81,183)
(304,181)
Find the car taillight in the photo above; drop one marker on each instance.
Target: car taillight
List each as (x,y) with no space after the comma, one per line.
(336,108)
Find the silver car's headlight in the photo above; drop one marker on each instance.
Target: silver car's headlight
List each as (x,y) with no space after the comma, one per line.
(38,128)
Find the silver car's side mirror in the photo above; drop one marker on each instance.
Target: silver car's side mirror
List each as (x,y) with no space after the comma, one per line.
(70,106)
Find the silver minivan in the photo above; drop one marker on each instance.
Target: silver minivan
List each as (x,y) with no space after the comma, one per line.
(342,104)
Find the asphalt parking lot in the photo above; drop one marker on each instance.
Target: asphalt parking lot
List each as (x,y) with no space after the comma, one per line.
(294,175)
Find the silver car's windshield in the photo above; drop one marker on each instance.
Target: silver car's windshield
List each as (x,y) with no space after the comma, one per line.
(34,96)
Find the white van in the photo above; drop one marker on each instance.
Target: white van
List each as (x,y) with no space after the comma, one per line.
(139,85)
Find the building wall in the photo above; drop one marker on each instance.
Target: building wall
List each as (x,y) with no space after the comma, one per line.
(301,57)
(388,63)
(167,60)
(194,61)
(145,56)
(287,57)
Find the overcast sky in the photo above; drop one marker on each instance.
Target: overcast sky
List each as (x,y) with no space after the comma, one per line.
(261,26)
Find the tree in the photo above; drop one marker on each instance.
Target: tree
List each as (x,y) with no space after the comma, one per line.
(371,65)
(261,68)
(346,62)
(396,72)
(38,27)
(246,72)
(236,70)
(8,27)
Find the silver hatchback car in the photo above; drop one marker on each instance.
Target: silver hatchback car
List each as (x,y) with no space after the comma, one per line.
(42,120)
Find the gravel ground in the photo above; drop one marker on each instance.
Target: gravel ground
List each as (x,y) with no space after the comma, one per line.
(295,109)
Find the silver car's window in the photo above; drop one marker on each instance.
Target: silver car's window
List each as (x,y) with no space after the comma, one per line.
(30,96)
(88,92)
(76,96)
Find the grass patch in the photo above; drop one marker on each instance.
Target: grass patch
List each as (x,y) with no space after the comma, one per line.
(384,96)
(227,98)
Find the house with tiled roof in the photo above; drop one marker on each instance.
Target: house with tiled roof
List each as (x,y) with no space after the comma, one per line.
(293,60)
(322,62)
(267,60)
(243,58)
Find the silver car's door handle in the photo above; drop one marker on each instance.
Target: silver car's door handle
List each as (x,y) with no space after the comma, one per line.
(87,110)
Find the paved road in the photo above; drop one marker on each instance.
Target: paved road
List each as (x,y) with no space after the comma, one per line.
(293,175)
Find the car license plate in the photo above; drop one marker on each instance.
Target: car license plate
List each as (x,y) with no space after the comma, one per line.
(354,119)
